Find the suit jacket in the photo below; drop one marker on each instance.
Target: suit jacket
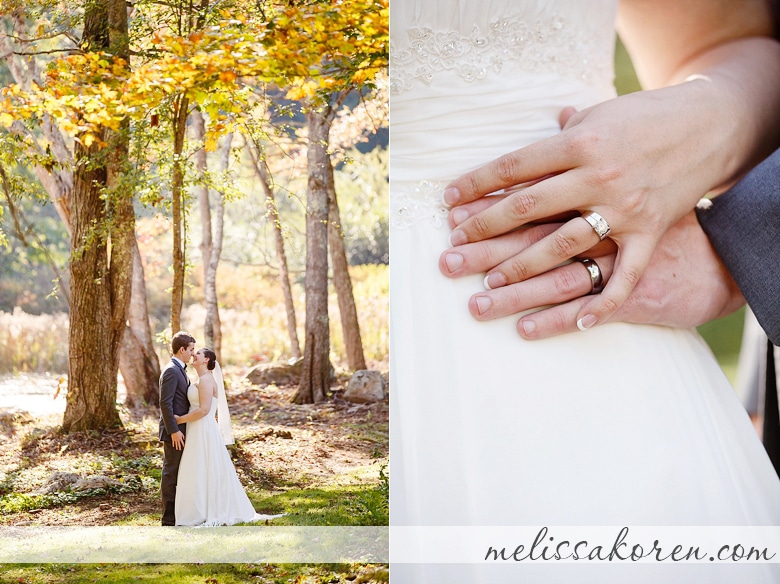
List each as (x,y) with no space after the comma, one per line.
(743,225)
(173,400)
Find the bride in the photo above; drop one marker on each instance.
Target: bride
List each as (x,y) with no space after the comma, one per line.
(618,425)
(208,490)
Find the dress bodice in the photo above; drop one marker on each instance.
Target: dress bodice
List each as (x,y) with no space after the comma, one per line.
(194,399)
(471,81)
(476,39)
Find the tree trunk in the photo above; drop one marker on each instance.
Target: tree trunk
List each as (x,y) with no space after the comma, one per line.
(315,380)
(210,247)
(212,305)
(181,105)
(138,361)
(350,327)
(281,256)
(101,253)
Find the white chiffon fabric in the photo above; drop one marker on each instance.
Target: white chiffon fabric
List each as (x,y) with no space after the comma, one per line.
(223,411)
(619,425)
(208,491)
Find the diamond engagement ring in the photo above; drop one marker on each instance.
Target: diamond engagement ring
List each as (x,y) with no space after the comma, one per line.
(596,278)
(599,224)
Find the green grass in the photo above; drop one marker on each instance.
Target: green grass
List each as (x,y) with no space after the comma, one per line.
(189,574)
(724,337)
(17,502)
(328,505)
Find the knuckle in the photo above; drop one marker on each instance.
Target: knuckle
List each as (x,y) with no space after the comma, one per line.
(516,300)
(631,277)
(566,282)
(557,321)
(608,305)
(522,204)
(519,269)
(506,168)
(471,186)
(478,226)
(634,202)
(537,233)
(482,254)
(563,245)
(582,142)
(606,174)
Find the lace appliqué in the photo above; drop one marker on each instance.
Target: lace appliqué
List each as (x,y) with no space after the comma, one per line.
(419,203)
(546,46)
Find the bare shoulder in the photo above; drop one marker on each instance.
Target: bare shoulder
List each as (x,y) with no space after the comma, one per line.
(207,383)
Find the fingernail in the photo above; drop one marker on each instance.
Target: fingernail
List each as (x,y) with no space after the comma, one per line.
(453,261)
(459,216)
(494,280)
(451,196)
(586,322)
(458,237)
(483,304)
(529,327)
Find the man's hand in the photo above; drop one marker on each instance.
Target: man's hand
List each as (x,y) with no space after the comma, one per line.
(177,438)
(685,284)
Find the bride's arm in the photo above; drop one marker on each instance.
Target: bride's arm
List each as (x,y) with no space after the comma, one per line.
(724,48)
(205,395)
(641,160)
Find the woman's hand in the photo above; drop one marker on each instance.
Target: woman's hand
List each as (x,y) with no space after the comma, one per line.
(641,161)
(177,418)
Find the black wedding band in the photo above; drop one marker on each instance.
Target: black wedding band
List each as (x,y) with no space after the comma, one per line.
(596,278)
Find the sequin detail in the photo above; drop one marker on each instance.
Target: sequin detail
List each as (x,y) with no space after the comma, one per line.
(418,203)
(546,46)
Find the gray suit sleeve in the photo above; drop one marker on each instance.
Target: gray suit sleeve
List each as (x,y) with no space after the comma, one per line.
(743,225)
(168,383)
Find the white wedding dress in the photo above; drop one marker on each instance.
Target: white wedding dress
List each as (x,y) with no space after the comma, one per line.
(208,491)
(619,425)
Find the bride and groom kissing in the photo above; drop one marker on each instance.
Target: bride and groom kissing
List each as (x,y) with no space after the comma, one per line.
(199,484)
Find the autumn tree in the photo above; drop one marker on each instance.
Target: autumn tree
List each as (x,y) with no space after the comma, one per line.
(318,51)
(324,50)
(212,225)
(103,224)
(49,153)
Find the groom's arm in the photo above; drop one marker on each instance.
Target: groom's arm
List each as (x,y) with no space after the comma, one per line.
(168,384)
(743,225)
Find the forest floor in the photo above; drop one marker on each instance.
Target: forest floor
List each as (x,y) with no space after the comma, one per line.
(323,464)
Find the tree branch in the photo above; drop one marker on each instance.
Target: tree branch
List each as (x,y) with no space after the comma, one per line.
(36,53)
(54,35)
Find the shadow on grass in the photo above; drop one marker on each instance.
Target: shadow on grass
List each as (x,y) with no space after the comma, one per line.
(189,574)
(336,505)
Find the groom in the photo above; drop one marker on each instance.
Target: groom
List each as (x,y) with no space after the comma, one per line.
(173,401)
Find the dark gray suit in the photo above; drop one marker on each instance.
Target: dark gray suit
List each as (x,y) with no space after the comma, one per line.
(743,225)
(173,401)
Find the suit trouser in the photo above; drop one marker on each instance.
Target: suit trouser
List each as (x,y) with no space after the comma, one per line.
(170,474)
(771,413)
